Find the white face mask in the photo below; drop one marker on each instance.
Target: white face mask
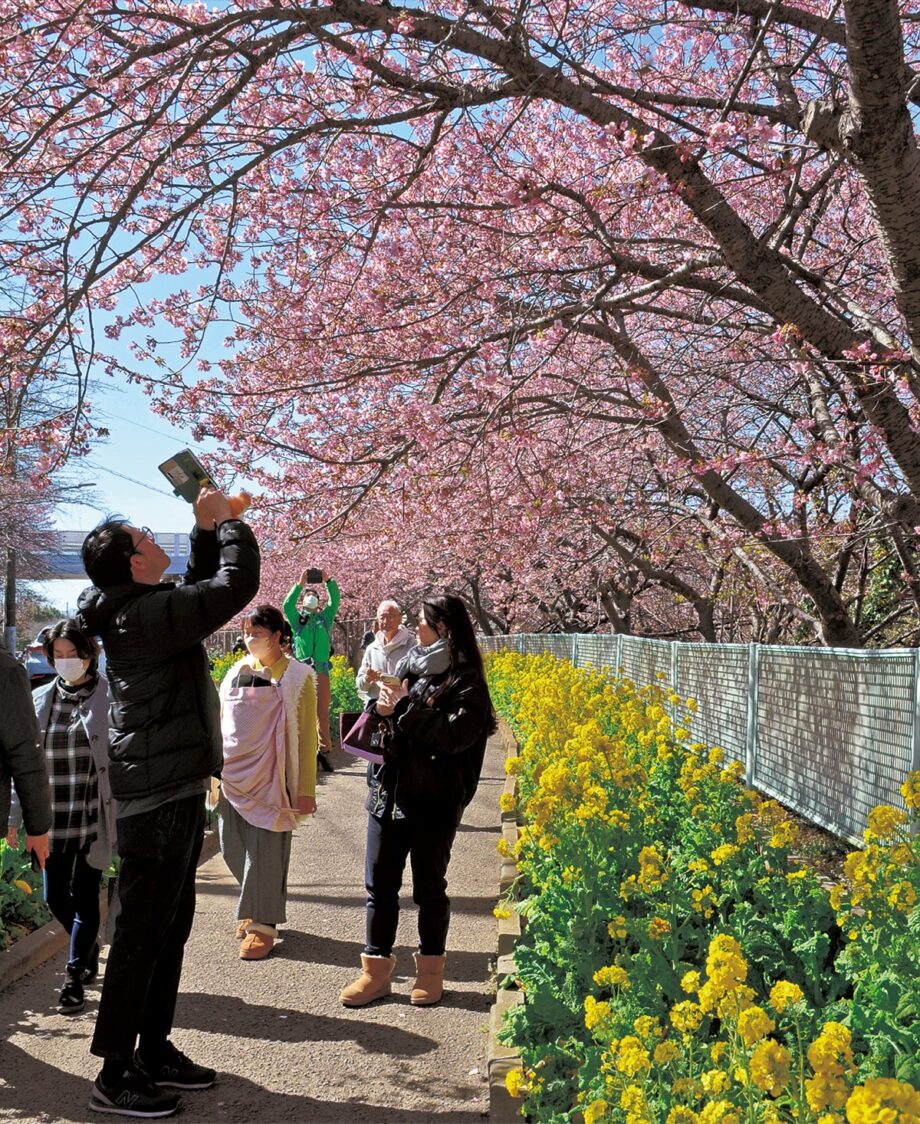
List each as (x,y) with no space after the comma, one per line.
(310,602)
(70,670)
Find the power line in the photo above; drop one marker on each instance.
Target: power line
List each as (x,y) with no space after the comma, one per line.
(130,479)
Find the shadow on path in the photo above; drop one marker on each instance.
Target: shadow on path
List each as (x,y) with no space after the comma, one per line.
(224,1014)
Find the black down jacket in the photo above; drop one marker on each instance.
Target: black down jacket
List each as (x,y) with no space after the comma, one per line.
(434,758)
(164,720)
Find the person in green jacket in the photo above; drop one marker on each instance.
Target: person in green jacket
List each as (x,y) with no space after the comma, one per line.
(312,629)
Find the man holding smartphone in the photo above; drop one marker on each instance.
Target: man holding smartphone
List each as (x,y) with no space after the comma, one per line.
(312,629)
(164,745)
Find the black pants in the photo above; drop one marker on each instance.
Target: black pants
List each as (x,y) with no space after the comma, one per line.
(156,891)
(427,846)
(72,894)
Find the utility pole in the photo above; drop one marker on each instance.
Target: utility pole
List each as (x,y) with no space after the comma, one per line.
(9,616)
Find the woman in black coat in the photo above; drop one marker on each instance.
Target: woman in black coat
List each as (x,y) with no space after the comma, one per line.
(440,717)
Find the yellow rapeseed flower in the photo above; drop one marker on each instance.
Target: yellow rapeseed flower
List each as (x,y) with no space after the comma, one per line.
(884,823)
(686,1016)
(665,1052)
(680,1114)
(883,1100)
(595,1111)
(770,1064)
(715,1081)
(902,897)
(632,1056)
(612,976)
(515,1083)
(720,1112)
(783,993)
(21,885)
(690,982)
(910,790)
(753,1024)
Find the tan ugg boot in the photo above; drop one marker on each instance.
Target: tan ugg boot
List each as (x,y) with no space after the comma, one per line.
(373,983)
(429,980)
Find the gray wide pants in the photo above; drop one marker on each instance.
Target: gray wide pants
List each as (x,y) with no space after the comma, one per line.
(258,859)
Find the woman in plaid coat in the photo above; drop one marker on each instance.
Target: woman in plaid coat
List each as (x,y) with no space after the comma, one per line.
(72,714)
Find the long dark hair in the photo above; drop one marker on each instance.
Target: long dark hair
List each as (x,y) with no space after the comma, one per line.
(448,610)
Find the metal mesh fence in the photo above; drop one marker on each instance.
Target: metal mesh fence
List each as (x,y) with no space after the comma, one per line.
(717,677)
(829,732)
(834,731)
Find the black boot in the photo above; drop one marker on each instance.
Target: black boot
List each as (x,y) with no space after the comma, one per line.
(322,759)
(91,968)
(71,999)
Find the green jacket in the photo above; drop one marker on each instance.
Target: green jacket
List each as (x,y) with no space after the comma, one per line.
(313,637)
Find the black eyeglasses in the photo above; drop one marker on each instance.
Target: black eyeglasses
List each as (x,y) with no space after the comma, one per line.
(146,533)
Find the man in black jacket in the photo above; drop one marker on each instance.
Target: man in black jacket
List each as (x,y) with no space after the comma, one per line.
(22,758)
(164,744)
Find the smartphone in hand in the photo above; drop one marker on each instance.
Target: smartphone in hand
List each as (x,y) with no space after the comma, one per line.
(187,475)
(314,576)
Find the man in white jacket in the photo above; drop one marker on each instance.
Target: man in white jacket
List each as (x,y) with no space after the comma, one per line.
(392,642)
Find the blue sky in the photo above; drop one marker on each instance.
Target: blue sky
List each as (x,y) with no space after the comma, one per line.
(123,474)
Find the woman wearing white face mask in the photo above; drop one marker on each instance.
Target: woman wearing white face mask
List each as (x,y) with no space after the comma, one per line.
(268,781)
(72,716)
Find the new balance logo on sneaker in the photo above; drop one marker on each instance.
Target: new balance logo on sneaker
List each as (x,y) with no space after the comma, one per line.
(133,1094)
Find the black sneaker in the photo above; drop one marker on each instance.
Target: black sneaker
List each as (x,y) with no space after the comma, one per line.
(133,1094)
(324,763)
(175,1071)
(71,1000)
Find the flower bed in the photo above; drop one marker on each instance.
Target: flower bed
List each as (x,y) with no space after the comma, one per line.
(22,907)
(677,963)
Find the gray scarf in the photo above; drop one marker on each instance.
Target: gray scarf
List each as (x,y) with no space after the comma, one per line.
(426,661)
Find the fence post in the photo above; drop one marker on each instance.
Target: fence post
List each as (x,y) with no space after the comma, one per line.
(574,649)
(750,748)
(618,652)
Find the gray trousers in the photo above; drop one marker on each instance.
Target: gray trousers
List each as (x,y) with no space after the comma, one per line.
(258,860)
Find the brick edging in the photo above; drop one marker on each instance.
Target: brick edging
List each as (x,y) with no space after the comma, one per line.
(501,1059)
(35,949)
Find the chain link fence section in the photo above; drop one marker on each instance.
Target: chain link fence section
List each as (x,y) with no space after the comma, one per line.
(829,732)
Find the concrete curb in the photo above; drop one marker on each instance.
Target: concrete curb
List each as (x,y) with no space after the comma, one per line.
(500,1059)
(38,947)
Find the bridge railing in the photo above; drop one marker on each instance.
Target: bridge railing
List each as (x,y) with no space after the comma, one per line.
(830,732)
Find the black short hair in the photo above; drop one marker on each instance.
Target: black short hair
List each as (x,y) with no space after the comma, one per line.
(86,645)
(267,616)
(107,551)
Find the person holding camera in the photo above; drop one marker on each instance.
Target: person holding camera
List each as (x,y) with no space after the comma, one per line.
(312,629)
(73,723)
(440,717)
(388,646)
(164,745)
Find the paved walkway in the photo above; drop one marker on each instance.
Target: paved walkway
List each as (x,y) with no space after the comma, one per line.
(286,1049)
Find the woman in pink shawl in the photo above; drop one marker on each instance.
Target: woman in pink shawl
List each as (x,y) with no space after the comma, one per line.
(268,723)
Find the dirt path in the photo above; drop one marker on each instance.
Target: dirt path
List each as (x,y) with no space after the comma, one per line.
(286,1049)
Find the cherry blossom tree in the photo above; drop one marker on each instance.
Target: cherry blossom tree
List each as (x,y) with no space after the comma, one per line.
(649,263)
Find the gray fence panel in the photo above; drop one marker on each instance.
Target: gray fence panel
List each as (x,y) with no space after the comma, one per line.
(597,651)
(830,733)
(834,731)
(642,660)
(717,677)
